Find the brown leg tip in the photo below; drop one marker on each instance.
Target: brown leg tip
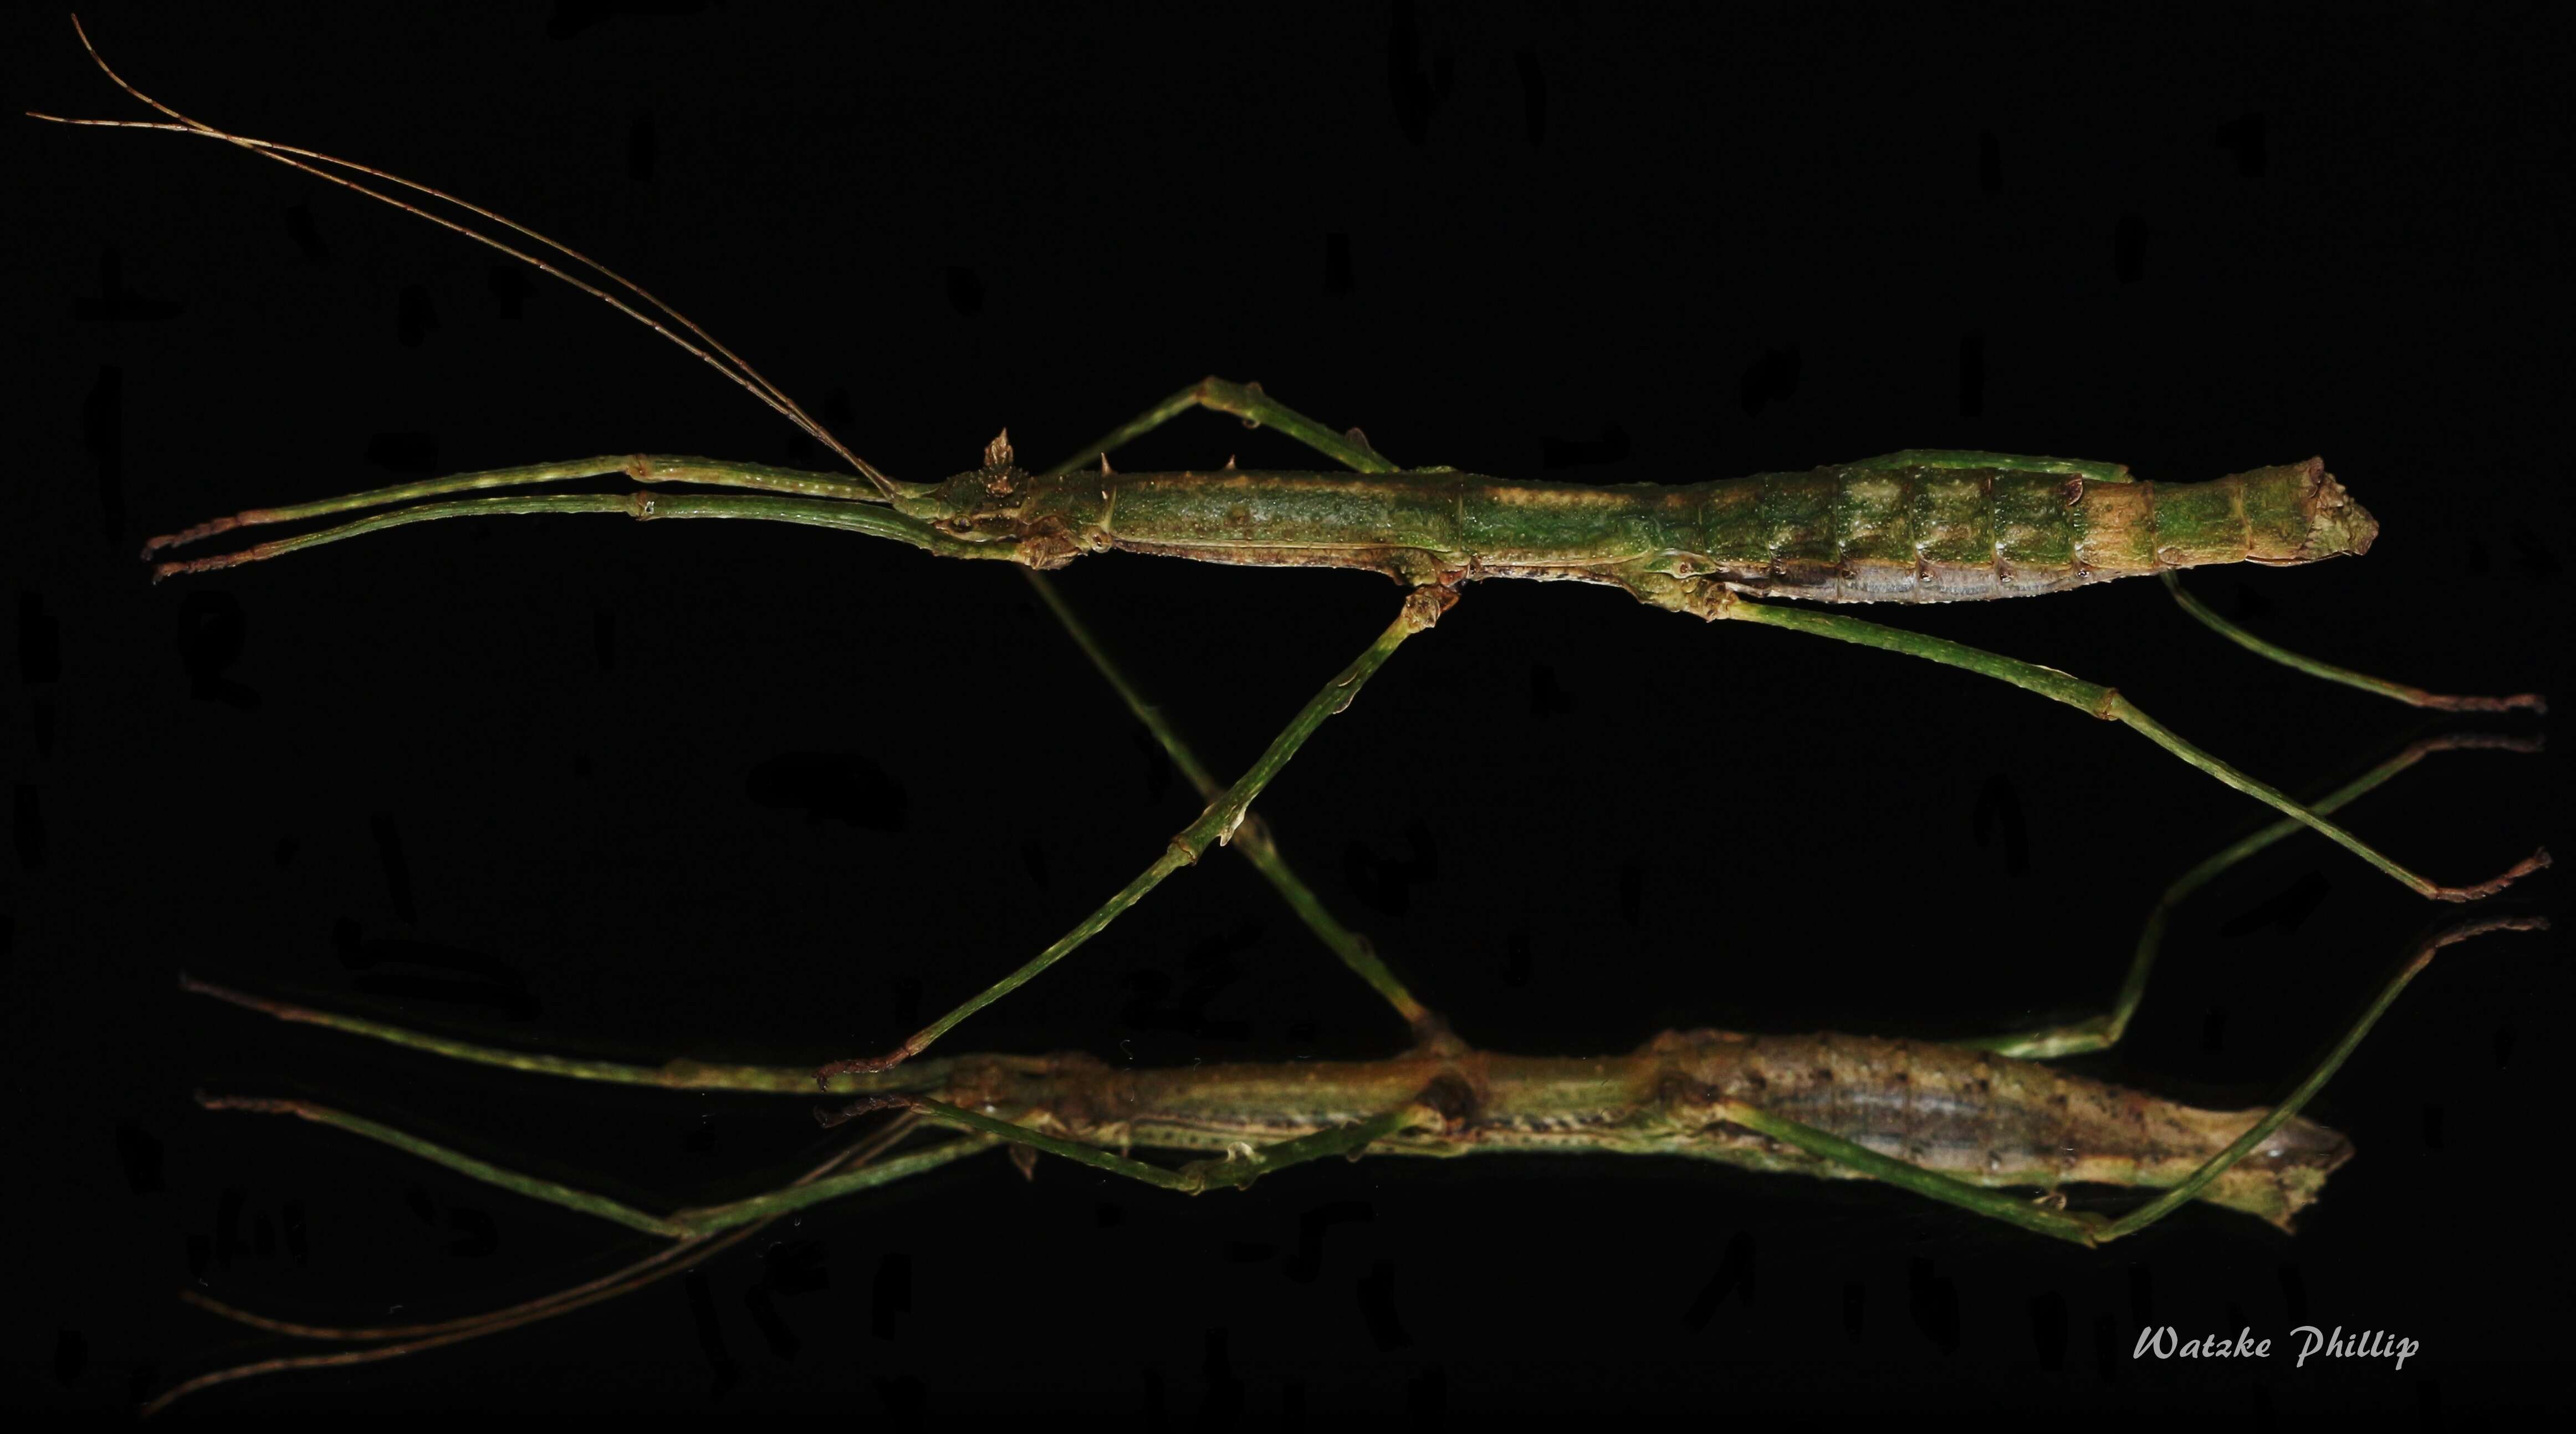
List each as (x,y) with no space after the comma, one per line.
(2473,928)
(864,1065)
(206,529)
(211,528)
(2484,889)
(181,567)
(2525,743)
(2518,702)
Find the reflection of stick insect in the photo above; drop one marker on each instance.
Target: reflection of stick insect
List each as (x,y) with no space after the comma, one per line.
(1910,527)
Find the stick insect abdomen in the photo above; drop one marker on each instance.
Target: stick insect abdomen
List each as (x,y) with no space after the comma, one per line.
(1890,530)
(1907,528)
(1996,1121)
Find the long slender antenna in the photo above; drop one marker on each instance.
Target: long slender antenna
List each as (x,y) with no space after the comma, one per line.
(731,365)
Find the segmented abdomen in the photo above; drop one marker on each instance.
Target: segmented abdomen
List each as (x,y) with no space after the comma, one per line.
(1948,534)
(1992,1120)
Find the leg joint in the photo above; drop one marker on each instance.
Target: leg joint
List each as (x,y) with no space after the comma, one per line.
(1424,605)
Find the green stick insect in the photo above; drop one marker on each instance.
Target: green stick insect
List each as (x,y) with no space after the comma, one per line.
(1983,1125)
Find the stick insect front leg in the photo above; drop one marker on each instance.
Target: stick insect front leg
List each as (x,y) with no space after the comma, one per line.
(696,1235)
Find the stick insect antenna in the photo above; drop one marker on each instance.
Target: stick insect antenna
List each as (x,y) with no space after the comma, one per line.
(731,365)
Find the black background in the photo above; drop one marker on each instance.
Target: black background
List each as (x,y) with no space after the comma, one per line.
(780,794)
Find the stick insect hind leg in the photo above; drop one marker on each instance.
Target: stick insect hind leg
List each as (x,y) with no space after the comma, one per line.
(2394,691)
(2200,612)
(1713,602)
(2102,1032)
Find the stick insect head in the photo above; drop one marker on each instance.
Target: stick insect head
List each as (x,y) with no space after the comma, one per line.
(1052,520)
(981,501)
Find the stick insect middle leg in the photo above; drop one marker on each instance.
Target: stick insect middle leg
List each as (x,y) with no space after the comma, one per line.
(1214,826)
(1253,838)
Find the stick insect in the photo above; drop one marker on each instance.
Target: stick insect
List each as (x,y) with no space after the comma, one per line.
(969,528)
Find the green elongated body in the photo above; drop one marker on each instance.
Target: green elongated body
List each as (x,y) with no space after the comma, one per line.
(1986,1119)
(1910,527)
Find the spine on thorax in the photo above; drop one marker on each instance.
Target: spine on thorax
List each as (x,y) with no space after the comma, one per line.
(1910,527)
